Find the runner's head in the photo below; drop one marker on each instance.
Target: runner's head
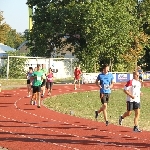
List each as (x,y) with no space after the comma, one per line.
(77,67)
(30,69)
(43,66)
(38,67)
(35,69)
(50,70)
(136,75)
(105,68)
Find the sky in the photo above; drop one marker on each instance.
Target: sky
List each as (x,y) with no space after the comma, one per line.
(15,13)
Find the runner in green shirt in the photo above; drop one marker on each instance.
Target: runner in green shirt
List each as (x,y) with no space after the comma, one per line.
(37,82)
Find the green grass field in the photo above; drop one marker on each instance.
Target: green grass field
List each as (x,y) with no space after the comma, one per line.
(12,83)
(15,83)
(84,104)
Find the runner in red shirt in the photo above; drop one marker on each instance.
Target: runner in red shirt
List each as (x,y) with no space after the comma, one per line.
(77,75)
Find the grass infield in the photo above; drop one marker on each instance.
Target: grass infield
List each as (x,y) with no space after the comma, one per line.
(12,83)
(16,83)
(83,104)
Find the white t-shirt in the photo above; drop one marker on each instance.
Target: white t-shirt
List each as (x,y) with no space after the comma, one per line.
(134,87)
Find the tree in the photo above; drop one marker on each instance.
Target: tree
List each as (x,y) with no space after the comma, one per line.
(139,35)
(3,28)
(16,66)
(8,35)
(99,31)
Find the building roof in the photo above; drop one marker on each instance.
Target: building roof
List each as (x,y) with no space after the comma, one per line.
(22,44)
(1,51)
(5,48)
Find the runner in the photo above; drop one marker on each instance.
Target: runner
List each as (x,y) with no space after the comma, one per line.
(37,76)
(34,95)
(77,74)
(44,71)
(35,69)
(29,74)
(133,92)
(106,83)
(50,80)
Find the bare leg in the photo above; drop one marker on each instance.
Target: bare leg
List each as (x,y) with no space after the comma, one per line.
(39,98)
(136,118)
(79,83)
(126,114)
(104,110)
(29,89)
(43,91)
(75,84)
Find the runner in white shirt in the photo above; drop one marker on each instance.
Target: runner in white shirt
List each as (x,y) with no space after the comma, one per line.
(133,91)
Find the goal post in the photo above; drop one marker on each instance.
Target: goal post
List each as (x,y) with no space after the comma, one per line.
(15,67)
(23,65)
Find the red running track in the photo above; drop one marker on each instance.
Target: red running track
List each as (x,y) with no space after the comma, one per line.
(26,127)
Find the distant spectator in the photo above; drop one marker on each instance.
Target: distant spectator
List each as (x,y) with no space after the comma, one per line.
(140,71)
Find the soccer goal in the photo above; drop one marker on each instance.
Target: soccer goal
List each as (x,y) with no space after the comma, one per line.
(15,67)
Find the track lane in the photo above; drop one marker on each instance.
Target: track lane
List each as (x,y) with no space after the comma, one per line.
(74,121)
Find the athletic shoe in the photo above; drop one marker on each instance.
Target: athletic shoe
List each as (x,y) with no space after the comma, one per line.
(75,88)
(136,129)
(38,106)
(49,93)
(28,96)
(120,120)
(96,114)
(107,123)
(42,96)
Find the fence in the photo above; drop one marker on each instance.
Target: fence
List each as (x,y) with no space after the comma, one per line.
(118,77)
(17,66)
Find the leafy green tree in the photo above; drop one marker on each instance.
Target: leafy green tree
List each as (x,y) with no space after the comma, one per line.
(16,66)
(99,31)
(8,35)
(3,28)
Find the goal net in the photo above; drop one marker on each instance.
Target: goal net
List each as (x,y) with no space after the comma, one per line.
(15,67)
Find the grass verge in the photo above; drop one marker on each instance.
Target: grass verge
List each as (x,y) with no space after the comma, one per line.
(16,83)
(12,83)
(83,104)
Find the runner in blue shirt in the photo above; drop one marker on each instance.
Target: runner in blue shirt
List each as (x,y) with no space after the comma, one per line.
(106,83)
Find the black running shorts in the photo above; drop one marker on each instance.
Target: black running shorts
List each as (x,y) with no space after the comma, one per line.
(36,89)
(43,83)
(104,97)
(28,81)
(132,106)
(49,85)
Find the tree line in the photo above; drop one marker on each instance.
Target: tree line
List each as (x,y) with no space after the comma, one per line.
(107,31)
(9,36)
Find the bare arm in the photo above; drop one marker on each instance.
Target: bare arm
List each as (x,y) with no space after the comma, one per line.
(128,93)
(96,82)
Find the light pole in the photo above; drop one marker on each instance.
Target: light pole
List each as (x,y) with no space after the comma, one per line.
(136,44)
(30,17)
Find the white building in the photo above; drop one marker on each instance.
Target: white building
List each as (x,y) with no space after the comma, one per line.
(3,52)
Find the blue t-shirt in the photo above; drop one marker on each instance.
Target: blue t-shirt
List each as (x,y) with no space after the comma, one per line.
(105,82)
(140,73)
